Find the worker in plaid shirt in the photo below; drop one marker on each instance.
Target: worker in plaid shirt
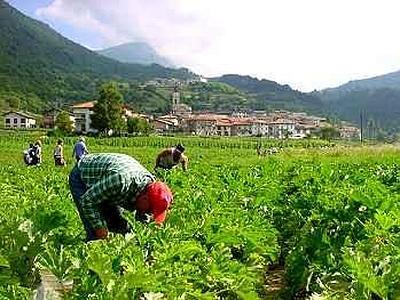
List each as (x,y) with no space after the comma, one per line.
(102,185)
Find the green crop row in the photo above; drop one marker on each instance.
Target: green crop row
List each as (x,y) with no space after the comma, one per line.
(164,141)
(330,218)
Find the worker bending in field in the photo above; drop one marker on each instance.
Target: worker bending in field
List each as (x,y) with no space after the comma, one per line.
(171,157)
(80,149)
(102,185)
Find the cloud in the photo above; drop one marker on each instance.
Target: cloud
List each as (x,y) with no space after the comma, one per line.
(82,15)
(308,44)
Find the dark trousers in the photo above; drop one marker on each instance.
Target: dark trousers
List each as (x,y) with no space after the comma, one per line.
(111,214)
(58,160)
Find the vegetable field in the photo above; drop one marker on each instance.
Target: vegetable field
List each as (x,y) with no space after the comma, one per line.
(329,216)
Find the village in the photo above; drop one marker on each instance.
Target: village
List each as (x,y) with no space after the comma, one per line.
(279,124)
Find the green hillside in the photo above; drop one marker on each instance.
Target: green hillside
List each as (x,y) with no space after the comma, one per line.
(378,98)
(212,96)
(380,107)
(266,94)
(38,65)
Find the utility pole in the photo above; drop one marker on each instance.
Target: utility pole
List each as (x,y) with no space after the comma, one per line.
(361,126)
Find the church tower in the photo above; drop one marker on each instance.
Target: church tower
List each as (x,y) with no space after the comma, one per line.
(179,108)
(175,96)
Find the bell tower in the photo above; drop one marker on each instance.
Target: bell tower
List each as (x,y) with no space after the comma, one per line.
(175,96)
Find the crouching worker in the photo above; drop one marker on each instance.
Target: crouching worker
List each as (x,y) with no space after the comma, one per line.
(33,155)
(27,155)
(102,185)
(171,157)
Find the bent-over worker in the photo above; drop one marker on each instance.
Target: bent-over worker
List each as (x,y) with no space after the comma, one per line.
(102,185)
(80,149)
(171,157)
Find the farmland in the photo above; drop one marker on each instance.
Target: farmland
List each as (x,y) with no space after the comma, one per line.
(328,215)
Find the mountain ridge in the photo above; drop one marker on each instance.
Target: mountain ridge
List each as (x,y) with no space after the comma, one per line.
(271,95)
(135,52)
(376,98)
(38,65)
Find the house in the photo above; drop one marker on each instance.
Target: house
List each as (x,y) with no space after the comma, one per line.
(349,132)
(175,120)
(50,117)
(223,128)
(303,130)
(82,113)
(241,126)
(206,124)
(19,120)
(127,113)
(260,128)
(161,125)
(282,128)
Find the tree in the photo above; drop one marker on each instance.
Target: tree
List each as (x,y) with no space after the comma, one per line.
(14,102)
(108,109)
(328,133)
(138,125)
(63,122)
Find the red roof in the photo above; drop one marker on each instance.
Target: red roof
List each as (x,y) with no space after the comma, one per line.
(207,117)
(88,105)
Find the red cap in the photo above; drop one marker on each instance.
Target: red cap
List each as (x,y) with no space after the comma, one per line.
(160,197)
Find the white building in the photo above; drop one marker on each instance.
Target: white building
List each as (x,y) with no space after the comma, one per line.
(260,128)
(82,113)
(206,125)
(282,128)
(349,132)
(50,117)
(19,120)
(161,125)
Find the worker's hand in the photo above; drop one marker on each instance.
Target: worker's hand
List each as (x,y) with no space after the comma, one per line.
(101,233)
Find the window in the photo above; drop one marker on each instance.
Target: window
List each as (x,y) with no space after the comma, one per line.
(8,121)
(15,121)
(23,120)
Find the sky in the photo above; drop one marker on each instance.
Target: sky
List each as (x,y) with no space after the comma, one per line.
(308,44)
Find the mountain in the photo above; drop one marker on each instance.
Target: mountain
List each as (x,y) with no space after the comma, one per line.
(38,65)
(139,53)
(390,80)
(376,98)
(267,94)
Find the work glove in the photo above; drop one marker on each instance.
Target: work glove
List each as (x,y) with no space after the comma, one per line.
(101,233)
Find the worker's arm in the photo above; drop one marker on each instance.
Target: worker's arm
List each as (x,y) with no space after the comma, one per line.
(184,162)
(110,187)
(85,149)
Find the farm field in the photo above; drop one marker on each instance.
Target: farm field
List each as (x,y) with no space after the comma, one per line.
(329,216)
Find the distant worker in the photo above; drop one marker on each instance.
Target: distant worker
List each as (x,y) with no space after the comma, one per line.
(36,153)
(59,154)
(102,185)
(27,155)
(171,157)
(80,149)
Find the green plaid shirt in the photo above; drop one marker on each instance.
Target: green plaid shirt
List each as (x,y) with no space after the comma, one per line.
(112,178)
